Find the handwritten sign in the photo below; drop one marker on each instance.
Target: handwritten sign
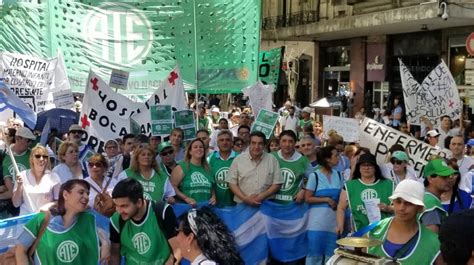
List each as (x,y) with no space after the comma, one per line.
(346,127)
(435,97)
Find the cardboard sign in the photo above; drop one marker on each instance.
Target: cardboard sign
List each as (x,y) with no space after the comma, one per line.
(379,138)
(184,119)
(64,99)
(346,127)
(161,120)
(119,79)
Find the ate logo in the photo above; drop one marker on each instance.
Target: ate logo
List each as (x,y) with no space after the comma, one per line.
(368,194)
(221,175)
(120,35)
(141,242)
(289,179)
(67,251)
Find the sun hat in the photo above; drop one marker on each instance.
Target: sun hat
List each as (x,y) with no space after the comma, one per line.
(367,158)
(433,133)
(438,167)
(25,133)
(410,190)
(400,155)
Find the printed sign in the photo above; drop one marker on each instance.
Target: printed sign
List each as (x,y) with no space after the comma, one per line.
(260,95)
(265,122)
(346,127)
(161,120)
(64,99)
(184,119)
(269,66)
(119,79)
(435,97)
(379,138)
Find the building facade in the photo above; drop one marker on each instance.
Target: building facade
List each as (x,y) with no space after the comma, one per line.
(353,47)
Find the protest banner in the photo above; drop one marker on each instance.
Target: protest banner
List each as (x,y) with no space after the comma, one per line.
(146,39)
(184,119)
(265,122)
(435,97)
(161,120)
(260,96)
(29,78)
(269,66)
(63,99)
(379,138)
(346,127)
(119,79)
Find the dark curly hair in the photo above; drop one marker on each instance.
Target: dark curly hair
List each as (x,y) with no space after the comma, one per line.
(212,236)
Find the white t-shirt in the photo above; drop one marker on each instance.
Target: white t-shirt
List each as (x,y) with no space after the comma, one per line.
(93,191)
(464,165)
(290,123)
(65,173)
(35,195)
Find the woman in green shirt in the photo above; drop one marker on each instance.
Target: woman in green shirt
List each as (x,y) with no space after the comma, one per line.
(192,178)
(71,237)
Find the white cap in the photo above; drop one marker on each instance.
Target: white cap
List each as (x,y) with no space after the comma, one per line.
(409,190)
(307,110)
(215,109)
(25,133)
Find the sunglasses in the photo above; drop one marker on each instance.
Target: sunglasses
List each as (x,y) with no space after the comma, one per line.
(396,161)
(94,164)
(238,145)
(41,156)
(76,132)
(170,152)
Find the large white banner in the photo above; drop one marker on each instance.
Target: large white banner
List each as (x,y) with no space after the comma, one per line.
(107,115)
(379,138)
(33,79)
(260,96)
(346,127)
(435,97)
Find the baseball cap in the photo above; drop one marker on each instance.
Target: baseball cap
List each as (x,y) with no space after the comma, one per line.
(215,109)
(75,127)
(438,167)
(433,133)
(400,155)
(410,190)
(25,133)
(367,158)
(163,146)
(307,110)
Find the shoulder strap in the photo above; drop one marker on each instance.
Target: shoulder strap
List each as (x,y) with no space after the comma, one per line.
(44,225)
(159,209)
(401,252)
(106,185)
(316,180)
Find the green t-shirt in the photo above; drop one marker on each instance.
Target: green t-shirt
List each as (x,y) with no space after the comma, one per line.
(220,169)
(78,244)
(424,252)
(358,192)
(196,183)
(22,160)
(142,243)
(293,172)
(153,188)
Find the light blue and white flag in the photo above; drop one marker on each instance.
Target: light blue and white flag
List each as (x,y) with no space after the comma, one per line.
(286,230)
(13,102)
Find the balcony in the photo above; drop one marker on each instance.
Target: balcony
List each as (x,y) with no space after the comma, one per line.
(290,20)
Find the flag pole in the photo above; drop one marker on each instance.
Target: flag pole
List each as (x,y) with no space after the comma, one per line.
(196,99)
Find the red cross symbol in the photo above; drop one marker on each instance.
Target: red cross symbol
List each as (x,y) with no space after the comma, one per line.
(94,83)
(85,122)
(173,76)
(450,103)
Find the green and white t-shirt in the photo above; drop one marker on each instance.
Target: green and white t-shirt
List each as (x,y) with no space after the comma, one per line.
(293,172)
(220,168)
(156,188)
(77,244)
(197,182)
(22,160)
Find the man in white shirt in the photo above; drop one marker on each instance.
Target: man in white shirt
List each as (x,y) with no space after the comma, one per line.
(432,137)
(444,130)
(465,163)
(290,122)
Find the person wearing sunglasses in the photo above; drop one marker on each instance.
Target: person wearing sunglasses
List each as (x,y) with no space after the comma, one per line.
(196,227)
(167,158)
(37,186)
(238,145)
(398,169)
(99,182)
(144,169)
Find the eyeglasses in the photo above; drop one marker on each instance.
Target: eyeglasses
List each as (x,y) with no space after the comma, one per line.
(111,146)
(76,132)
(238,145)
(396,161)
(94,164)
(170,152)
(38,156)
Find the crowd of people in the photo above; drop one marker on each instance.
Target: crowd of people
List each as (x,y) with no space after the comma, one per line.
(137,179)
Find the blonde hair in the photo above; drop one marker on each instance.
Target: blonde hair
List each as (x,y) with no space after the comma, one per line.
(63,148)
(39,149)
(134,162)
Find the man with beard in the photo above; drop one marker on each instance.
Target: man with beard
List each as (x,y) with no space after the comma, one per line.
(143,231)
